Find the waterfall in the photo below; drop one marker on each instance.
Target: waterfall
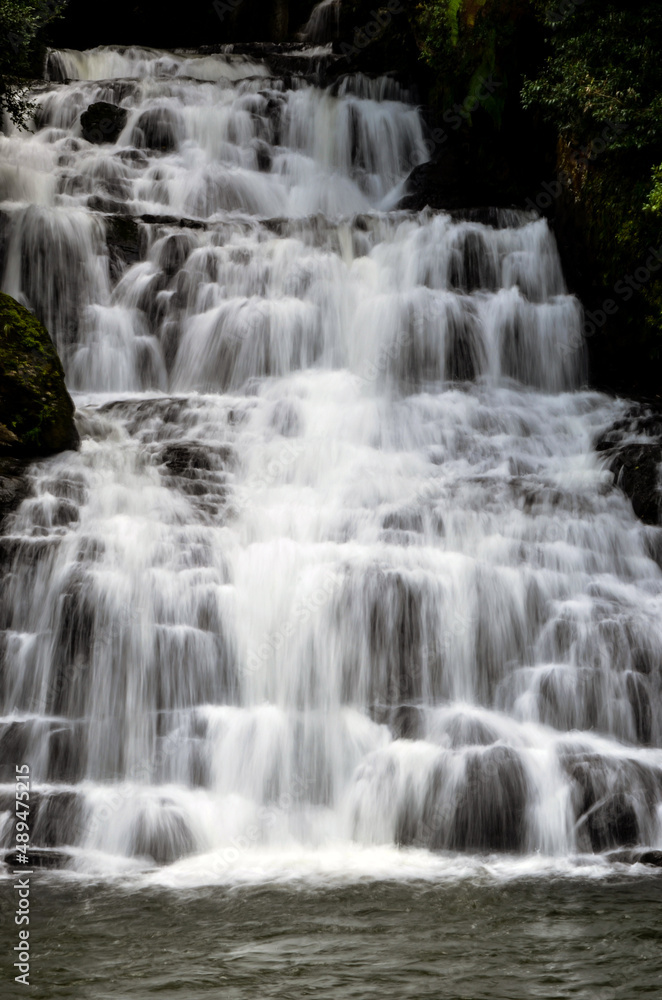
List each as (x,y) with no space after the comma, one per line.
(337,579)
(323,25)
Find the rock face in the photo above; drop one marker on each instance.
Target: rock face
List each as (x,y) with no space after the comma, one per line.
(102,122)
(125,242)
(470,169)
(14,486)
(36,411)
(634,448)
(159,128)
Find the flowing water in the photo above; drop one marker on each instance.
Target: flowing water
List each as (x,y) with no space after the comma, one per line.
(337,586)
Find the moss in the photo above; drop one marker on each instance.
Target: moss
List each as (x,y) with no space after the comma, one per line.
(34,403)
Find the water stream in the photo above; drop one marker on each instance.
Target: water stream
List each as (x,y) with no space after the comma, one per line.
(337,585)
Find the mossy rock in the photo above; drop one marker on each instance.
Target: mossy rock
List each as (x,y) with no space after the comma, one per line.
(102,122)
(36,411)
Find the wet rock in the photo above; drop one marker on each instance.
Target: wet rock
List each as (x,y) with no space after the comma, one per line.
(491,811)
(109,206)
(485,810)
(164,837)
(465,730)
(614,800)
(174,252)
(102,122)
(634,857)
(125,242)
(638,692)
(66,762)
(136,157)
(158,129)
(56,819)
(181,459)
(407,722)
(199,472)
(637,465)
(613,823)
(14,486)
(36,411)
(636,469)
(650,858)
(263,155)
(40,858)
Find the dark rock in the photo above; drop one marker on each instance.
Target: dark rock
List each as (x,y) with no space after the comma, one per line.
(263,155)
(125,242)
(650,858)
(57,820)
(198,471)
(450,182)
(164,838)
(484,811)
(406,722)
(613,823)
(614,800)
(135,156)
(465,730)
(158,129)
(102,122)
(637,465)
(39,857)
(172,220)
(638,692)
(109,206)
(66,763)
(174,252)
(636,470)
(490,815)
(35,408)
(14,486)
(634,857)
(182,459)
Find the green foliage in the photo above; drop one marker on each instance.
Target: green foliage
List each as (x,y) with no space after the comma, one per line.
(468,41)
(604,68)
(446,23)
(21,22)
(654,201)
(602,80)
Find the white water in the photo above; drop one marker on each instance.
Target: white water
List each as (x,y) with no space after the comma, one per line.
(323,25)
(337,581)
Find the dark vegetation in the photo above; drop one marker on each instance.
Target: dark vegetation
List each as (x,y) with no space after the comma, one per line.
(22,27)
(555,106)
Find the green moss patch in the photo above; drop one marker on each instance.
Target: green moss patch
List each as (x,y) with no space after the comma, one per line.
(35,406)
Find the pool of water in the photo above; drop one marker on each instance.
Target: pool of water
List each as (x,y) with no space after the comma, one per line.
(481,940)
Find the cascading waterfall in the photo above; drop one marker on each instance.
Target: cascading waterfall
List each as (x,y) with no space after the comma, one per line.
(337,579)
(323,25)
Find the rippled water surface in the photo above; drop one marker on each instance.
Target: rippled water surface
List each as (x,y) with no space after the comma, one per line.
(532,938)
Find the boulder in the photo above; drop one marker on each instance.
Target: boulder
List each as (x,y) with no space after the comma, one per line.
(126,243)
(36,411)
(158,128)
(102,122)
(633,447)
